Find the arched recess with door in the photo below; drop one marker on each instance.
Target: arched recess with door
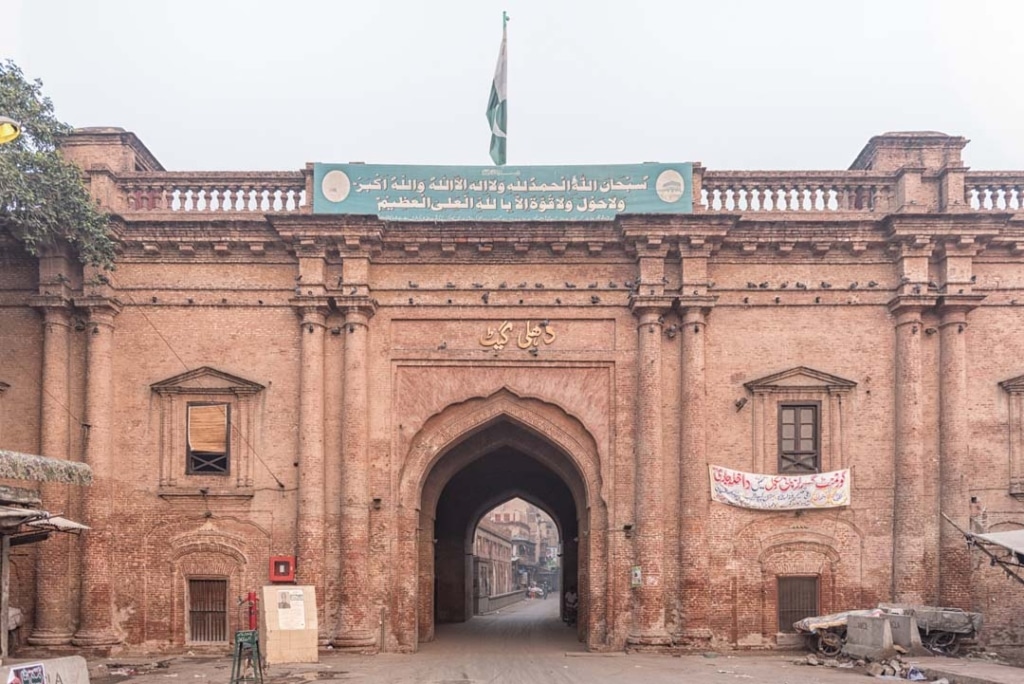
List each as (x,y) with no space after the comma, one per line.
(471,456)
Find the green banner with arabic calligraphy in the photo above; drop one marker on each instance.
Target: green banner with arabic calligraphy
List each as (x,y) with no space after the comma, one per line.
(507,193)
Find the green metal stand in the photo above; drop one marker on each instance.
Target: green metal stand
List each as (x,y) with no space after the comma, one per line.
(248,665)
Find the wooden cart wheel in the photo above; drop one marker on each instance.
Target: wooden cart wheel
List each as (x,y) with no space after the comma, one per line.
(944,642)
(830,644)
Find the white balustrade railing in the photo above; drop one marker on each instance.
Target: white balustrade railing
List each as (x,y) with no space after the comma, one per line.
(722,191)
(827,191)
(215,192)
(995,191)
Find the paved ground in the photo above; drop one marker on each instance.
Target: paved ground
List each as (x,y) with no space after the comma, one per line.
(523,644)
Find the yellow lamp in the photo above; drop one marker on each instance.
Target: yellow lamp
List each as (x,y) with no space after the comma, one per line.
(9,129)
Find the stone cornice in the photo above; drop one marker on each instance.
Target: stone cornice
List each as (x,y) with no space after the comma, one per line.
(703,303)
(45,301)
(349,233)
(911,303)
(206,380)
(800,379)
(99,305)
(1013,385)
(935,226)
(186,234)
(315,306)
(958,303)
(356,303)
(641,304)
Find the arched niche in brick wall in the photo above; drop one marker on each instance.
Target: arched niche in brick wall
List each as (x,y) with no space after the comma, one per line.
(180,548)
(812,544)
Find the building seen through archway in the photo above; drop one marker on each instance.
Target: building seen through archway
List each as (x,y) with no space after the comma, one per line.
(516,548)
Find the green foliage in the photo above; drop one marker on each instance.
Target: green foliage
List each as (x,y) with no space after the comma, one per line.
(43,200)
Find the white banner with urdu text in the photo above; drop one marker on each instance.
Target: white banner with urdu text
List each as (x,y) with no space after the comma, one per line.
(780,492)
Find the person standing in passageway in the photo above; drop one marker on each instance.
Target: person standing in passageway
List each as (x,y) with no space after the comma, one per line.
(572,602)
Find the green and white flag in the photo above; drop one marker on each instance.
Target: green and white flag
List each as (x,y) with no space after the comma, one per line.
(497,107)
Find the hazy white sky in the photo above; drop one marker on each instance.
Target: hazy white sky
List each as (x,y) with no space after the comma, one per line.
(735,84)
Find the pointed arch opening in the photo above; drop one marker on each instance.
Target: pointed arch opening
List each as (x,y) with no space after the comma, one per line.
(477,456)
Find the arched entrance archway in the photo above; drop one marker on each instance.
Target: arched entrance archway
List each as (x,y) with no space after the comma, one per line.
(472,456)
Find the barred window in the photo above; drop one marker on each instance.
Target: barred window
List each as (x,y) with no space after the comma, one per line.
(207,611)
(798,599)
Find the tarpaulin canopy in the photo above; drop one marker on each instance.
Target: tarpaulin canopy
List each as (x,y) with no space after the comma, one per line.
(14,516)
(1011,541)
(1005,549)
(58,523)
(18,466)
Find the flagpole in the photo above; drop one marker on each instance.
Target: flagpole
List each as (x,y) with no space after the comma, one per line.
(497,107)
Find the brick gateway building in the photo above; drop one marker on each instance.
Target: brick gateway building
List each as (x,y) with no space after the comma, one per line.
(256,379)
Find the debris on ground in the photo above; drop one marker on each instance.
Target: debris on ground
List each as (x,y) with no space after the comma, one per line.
(895,668)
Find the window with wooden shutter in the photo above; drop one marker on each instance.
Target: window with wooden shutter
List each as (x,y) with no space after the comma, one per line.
(798,599)
(799,438)
(209,430)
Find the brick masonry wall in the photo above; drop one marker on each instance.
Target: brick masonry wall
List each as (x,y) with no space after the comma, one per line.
(429,377)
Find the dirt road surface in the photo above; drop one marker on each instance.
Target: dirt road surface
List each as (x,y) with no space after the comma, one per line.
(525,643)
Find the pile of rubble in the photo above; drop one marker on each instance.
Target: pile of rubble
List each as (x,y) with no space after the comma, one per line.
(894,668)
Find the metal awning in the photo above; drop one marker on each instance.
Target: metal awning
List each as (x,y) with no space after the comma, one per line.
(18,466)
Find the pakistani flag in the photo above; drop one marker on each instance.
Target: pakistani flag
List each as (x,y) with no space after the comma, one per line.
(497,107)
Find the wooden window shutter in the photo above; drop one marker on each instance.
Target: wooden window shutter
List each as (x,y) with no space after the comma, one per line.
(799,438)
(208,428)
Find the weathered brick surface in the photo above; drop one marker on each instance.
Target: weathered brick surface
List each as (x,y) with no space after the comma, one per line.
(372,427)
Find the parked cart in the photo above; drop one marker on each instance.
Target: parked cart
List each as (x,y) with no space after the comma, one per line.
(827,633)
(942,629)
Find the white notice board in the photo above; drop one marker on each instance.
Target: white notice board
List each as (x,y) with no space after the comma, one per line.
(291,609)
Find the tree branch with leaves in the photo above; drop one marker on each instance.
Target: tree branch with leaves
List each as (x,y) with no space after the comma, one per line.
(43,198)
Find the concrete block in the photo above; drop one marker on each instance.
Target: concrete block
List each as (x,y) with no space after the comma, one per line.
(868,637)
(905,634)
(67,670)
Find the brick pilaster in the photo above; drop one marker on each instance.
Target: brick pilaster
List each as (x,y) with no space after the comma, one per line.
(648,536)
(53,591)
(354,630)
(954,452)
(311,514)
(915,559)
(694,470)
(95,626)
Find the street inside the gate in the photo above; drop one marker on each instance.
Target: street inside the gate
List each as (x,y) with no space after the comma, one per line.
(525,643)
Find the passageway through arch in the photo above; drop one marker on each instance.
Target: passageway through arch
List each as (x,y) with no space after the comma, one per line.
(492,479)
(500,459)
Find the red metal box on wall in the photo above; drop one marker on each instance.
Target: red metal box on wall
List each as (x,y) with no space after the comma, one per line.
(282,568)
